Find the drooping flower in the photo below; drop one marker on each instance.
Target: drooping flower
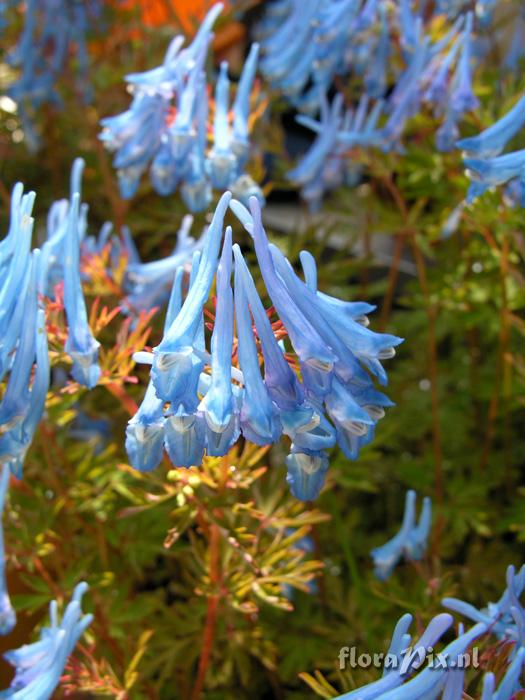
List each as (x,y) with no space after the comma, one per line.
(491,172)
(506,617)
(410,542)
(81,346)
(396,680)
(491,142)
(39,665)
(509,684)
(165,128)
(53,31)
(201,399)
(148,283)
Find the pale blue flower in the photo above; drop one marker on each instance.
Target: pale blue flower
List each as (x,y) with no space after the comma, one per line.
(217,406)
(491,142)
(39,665)
(410,542)
(391,684)
(81,346)
(177,361)
(490,172)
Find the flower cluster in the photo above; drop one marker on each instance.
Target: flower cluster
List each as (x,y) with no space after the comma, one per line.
(506,618)
(25,277)
(39,666)
(166,127)
(315,356)
(400,683)
(437,73)
(52,30)
(445,679)
(485,166)
(410,542)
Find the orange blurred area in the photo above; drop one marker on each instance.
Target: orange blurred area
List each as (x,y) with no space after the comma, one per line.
(188,13)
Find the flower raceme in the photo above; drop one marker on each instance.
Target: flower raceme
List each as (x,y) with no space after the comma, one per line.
(305,368)
(25,277)
(165,129)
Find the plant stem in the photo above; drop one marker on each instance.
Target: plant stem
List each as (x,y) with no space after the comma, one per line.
(211,612)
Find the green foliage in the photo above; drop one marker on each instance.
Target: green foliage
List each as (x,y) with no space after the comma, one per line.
(200,576)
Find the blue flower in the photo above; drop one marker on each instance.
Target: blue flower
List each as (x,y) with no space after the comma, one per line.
(53,30)
(165,128)
(391,684)
(410,541)
(14,404)
(15,442)
(81,346)
(487,173)
(306,473)
(148,283)
(492,141)
(250,387)
(258,416)
(432,681)
(14,277)
(510,683)
(217,406)
(506,617)
(462,98)
(38,666)
(177,361)
(7,613)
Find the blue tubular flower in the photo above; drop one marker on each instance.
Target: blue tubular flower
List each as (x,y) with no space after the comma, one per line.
(81,346)
(185,438)
(509,685)
(177,362)
(196,189)
(258,415)
(14,275)
(241,107)
(375,77)
(222,163)
(431,681)
(148,283)
(14,404)
(7,613)
(392,680)
(406,98)
(495,171)
(410,541)
(165,128)
(506,618)
(306,473)
(15,442)
(145,433)
(52,28)
(217,407)
(311,166)
(307,342)
(409,26)
(492,141)
(39,665)
(462,98)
